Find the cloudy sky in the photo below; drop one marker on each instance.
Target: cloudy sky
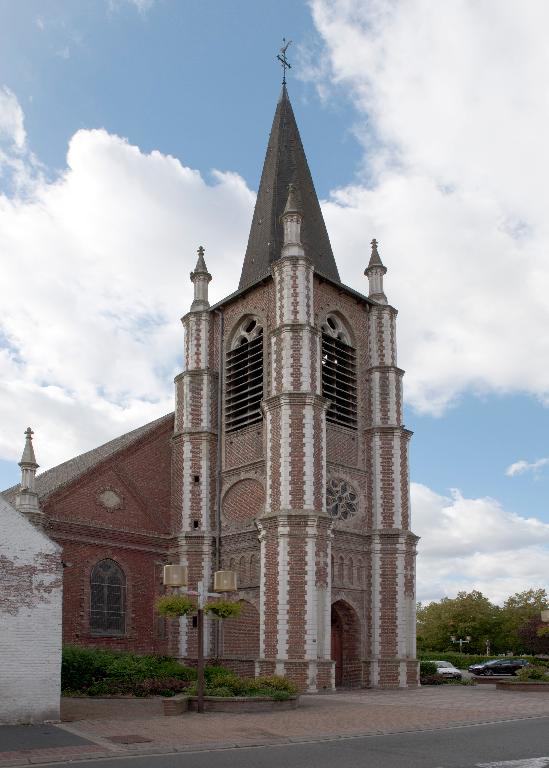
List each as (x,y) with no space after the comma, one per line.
(132,131)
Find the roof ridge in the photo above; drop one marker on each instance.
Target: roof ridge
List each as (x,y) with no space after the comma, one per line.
(57,477)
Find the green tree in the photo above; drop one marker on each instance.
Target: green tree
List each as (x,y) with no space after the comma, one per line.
(534,636)
(468,614)
(519,611)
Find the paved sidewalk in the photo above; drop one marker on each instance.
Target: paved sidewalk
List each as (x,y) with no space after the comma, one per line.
(344,714)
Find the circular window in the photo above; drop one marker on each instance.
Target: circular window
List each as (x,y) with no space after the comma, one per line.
(341,499)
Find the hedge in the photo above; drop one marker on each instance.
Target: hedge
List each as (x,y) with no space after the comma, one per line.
(96,672)
(464,660)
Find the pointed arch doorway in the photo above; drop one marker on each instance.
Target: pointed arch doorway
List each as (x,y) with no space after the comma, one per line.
(346,645)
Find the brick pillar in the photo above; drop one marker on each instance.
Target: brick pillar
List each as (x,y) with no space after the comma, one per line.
(194,456)
(392,658)
(294,531)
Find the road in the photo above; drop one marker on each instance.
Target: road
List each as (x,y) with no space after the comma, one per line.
(511,744)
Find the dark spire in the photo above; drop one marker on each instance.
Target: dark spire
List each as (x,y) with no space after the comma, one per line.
(285,163)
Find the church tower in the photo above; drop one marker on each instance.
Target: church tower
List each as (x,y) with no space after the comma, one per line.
(290,458)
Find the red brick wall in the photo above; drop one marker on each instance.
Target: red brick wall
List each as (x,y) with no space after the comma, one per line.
(144,632)
(243,500)
(136,536)
(341,445)
(245,446)
(241,635)
(141,475)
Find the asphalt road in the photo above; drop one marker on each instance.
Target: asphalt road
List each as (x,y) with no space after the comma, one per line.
(512,744)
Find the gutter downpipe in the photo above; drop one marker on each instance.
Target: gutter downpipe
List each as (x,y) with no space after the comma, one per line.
(221,316)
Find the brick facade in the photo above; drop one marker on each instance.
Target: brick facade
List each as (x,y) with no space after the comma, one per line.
(137,535)
(328,595)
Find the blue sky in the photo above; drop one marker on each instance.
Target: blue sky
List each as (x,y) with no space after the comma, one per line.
(411,138)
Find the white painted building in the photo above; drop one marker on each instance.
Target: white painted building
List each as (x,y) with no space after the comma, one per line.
(31,588)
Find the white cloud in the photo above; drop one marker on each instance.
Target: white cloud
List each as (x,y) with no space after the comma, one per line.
(475,544)
(12,123)
(454,124)
(95,278)
(522,466)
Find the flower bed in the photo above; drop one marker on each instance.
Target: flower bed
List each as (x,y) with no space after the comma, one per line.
(108,676)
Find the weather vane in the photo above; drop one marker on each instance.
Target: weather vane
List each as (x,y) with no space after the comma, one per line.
(283,60)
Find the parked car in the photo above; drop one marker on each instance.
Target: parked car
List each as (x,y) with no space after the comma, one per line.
(446,669)
(499,667)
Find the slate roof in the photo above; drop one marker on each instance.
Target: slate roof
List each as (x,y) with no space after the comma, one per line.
(55,478)
(285,163)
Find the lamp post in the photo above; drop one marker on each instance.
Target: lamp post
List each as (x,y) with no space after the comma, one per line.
(224,581)
(461,640)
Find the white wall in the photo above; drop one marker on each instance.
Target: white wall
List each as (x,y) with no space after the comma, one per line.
(30,621)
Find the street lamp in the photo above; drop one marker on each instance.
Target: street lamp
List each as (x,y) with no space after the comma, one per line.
(461,640)
(224,581)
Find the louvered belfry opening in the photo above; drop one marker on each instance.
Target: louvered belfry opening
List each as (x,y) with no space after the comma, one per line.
(244,376)
(339,373)
(108,599)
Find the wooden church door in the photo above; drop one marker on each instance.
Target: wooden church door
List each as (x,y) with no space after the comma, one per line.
(337,648)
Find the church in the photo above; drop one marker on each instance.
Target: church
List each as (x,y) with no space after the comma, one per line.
(285,460)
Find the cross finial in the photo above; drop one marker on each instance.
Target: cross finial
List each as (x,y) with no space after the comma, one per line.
(200,250)
(283,60)
(374,245)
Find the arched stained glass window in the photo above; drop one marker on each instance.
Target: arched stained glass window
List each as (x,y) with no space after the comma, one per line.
(108,599)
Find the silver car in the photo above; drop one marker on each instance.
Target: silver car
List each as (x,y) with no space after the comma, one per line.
(445,669)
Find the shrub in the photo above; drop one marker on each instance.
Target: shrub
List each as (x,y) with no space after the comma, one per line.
(220,691)
(432,680)
(276,683)
(533,673)
(219,681)
(428,673)
(427,668)
(279,695)
(215,676)
(98,672)
(81,667)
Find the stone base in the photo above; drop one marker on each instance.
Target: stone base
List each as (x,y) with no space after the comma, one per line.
(175,705)
(390,673)
(309,676)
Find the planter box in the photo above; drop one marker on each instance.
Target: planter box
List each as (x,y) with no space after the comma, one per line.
(490,679)
(243,704)
(111,707)
(539,687)
(175,705)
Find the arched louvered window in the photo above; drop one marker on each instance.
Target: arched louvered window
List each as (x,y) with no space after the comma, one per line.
(108,599)
(244,376)
(338,373)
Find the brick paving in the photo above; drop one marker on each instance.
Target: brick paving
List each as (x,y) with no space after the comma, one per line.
(350,713)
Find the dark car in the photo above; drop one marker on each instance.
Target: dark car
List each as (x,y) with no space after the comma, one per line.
(498,667)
